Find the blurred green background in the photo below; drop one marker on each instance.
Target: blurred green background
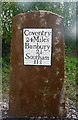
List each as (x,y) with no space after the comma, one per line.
(65,9)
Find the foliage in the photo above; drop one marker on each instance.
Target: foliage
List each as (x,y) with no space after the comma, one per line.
(10,9)
(70,76)
(5,74)
(0,76)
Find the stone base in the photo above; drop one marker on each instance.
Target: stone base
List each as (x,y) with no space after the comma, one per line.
(36,118)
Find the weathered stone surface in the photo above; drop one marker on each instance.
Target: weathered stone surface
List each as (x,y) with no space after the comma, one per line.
(37,90)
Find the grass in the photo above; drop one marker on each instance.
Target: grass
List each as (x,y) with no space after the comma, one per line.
(0,79)
(70,76)
(5,74)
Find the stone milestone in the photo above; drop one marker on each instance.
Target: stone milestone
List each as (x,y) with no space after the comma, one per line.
(37,65)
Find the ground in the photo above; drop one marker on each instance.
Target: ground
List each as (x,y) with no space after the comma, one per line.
(70,108)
